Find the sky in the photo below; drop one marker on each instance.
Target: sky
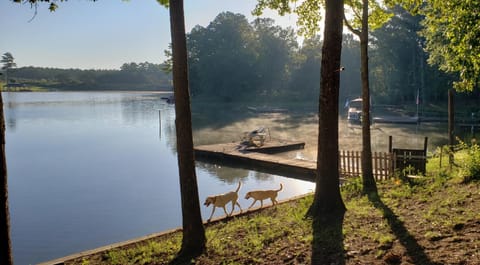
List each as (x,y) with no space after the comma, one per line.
(103,34)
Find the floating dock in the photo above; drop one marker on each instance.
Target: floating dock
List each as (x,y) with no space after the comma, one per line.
(396,119)
(260,158)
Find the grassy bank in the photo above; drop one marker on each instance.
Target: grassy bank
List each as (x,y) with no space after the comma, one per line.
(430,220)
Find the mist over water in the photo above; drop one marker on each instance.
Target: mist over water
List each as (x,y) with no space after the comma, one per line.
(90,169)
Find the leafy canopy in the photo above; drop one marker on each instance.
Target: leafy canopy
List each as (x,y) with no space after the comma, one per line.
(52,4)
(308,12)
(452,32)
(378,15)
(8,61)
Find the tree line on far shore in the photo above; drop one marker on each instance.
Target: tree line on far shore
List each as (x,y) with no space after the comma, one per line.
(232,59)
(131,76)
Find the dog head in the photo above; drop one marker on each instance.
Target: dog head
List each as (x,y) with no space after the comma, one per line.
(209,200)
(248,196)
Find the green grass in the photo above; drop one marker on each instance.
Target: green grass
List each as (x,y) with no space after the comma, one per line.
(430,208)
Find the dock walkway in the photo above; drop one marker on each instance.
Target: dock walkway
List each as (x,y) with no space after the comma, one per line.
(260,159)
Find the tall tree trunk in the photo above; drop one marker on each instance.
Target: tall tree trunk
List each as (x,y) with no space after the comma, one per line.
(327,198)
(5,241)
(328,209)
(369,185)
(193,242)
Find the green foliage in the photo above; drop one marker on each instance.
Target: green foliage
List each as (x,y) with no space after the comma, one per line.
(52,4)
(308,12)
(398,64)
(164,3)
(452,33)
(145,253)
(452,30)
(8,61)
(470,162)
(232,59)
(378,15)
(352,188)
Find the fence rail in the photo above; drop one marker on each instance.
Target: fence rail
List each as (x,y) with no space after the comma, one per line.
(351,161)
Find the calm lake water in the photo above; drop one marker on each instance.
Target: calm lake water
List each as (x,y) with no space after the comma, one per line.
(90,169)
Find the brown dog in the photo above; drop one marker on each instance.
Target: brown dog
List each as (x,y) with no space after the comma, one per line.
(260,195)
(221,200)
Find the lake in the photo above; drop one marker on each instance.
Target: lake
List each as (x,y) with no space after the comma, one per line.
(86,169)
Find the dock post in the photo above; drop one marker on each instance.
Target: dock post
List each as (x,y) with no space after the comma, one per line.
(160,124)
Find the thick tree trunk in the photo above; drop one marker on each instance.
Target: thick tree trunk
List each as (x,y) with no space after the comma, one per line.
(5,241)
(328,209)
(327,198)
(193,242)
(369,185)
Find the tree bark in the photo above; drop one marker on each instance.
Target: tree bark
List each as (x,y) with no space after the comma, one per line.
(6,256)
(328,209)
(193,242)
(369,185)
(327,198)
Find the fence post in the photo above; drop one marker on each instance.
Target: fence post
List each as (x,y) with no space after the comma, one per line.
(451,126)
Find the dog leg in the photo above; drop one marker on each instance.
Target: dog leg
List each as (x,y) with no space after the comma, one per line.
(261,203)
(213,210)
(273,201)
(254,201)
(239,206)
(233,206)
(225,210)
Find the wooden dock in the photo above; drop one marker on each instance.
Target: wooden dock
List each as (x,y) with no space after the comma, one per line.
(260,159)
(263,159)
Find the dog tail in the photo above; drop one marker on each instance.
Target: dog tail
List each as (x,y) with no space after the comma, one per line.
(281,187)
(238,188)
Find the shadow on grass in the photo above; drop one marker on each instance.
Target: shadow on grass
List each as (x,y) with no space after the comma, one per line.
(414,250)
(184,258)
(327,245)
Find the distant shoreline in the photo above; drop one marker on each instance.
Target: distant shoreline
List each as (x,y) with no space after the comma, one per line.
(94,91)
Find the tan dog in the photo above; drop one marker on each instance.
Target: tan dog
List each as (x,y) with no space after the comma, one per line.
(222,200)
(260,195)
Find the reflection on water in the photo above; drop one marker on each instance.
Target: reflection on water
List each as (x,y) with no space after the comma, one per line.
(89,169)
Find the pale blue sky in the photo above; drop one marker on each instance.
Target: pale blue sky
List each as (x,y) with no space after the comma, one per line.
(103,34)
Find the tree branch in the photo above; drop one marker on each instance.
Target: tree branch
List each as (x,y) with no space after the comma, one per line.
(350,27)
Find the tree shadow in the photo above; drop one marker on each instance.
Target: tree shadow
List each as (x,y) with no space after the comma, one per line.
(327,245)
(184,258)
(414,250)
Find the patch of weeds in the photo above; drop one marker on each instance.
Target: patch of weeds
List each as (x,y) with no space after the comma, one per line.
(360,207)
(379,253)
(401,191)
(433,235)
(116,257)
(144,253)
(386,239)
(470,163)
(352,188)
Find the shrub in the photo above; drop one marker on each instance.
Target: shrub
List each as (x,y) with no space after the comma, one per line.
(470,164)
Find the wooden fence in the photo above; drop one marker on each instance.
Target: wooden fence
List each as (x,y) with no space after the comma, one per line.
(351,161)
